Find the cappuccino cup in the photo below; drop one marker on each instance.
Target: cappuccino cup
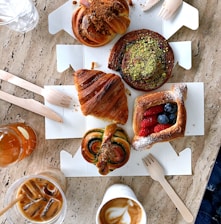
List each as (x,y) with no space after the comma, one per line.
(120,206)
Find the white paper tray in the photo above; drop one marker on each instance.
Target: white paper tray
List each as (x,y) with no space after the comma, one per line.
(76,124)
(173,163)
(78,56)
(188,16)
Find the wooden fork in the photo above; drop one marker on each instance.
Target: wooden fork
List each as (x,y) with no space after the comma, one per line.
(52,96)
(169,8)
(156,172)
(149,4)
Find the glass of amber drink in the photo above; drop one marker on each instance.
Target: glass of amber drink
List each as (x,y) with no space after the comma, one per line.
(41,199)
(17,141)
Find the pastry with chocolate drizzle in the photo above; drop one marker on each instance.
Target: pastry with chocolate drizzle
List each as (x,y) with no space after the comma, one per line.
(96,22)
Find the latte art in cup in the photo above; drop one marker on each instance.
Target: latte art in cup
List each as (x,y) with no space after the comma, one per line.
(121,211)
(120,206)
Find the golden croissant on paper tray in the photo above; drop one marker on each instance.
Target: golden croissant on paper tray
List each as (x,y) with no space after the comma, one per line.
(101,95)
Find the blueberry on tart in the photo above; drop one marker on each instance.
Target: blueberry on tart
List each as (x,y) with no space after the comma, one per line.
(144,59)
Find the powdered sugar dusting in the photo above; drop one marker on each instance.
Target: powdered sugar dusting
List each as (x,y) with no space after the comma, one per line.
(143,143)
(169,96)
(179,91)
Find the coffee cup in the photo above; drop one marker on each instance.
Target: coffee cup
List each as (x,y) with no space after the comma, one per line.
(121,206)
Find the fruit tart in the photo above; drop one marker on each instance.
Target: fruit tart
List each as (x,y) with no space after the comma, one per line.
(159,117)
(96,22)
(144,59)
(107,148)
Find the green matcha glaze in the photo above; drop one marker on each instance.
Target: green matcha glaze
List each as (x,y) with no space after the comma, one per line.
(143,59)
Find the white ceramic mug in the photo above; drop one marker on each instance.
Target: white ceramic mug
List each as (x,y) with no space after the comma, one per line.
(120,204)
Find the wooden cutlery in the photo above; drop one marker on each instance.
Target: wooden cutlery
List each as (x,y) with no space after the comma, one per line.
(31,105)
(52,96)
(156,172)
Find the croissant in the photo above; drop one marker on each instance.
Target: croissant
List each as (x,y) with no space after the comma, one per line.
(96,22)
(159,117)
(144,59)
(101,95)
(107,148)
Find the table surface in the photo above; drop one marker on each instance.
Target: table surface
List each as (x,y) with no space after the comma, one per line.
(33,56)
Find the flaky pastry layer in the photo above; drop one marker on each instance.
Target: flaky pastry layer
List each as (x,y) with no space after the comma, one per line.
(102,95)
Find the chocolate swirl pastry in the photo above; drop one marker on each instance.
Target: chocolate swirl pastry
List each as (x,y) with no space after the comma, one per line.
(96,22)
(107,148)
(159,117)
(144,59)
(102,95)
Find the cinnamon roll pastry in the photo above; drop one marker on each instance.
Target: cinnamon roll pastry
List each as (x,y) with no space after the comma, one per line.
(96,22)
(159,117)
(102,95)
(144,59)
(107,148)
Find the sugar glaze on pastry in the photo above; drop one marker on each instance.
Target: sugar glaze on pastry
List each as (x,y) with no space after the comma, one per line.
(176,95)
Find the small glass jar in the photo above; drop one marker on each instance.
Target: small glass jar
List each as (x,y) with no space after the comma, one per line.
(21,17)
(17,141)
(42,199)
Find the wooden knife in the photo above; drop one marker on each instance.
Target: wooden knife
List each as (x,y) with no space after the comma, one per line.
(31,105)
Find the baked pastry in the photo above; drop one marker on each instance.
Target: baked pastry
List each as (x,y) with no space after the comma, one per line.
(159,117)
(107,148)
(144,59)
(102,95)
(96,22)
